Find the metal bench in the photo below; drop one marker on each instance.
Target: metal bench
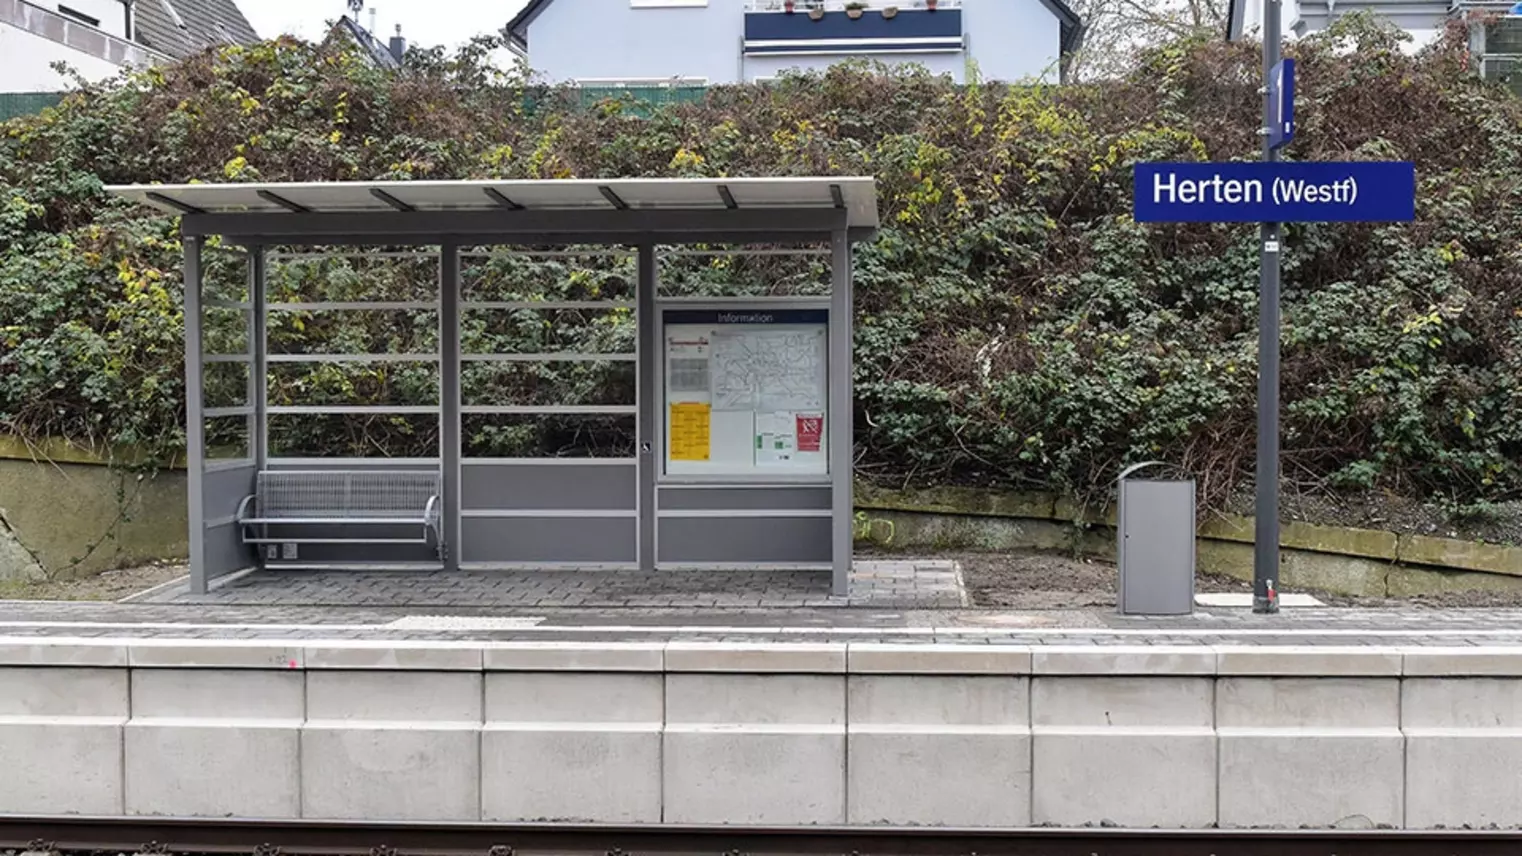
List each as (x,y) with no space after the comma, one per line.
(330,499)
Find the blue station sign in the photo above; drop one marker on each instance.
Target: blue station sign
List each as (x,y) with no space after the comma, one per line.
(1277,192)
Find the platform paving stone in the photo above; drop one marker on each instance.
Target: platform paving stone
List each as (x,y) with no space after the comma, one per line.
(914,602)
(921,584)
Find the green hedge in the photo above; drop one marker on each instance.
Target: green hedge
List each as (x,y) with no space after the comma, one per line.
(1014,326)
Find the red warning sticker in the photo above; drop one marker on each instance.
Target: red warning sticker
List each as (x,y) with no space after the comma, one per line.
(810,432)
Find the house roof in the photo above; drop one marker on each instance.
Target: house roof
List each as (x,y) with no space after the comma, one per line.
(856,195)
(378,51)
(1072,25)
(517,28)
(180,28)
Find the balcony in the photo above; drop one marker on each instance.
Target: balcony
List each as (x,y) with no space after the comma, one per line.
(1501,54)
(827,27)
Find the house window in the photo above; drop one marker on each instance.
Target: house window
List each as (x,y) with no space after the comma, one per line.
(1501,55)
(78,16)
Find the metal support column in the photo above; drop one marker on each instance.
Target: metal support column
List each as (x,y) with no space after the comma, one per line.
(647,355)
(195,422)
(841,410)
(1266,525)
(258,371)
(449,399)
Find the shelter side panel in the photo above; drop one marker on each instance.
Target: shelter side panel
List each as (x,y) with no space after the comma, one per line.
(744,540)
(551,485)
(674,500)
(533,540)
(222,490)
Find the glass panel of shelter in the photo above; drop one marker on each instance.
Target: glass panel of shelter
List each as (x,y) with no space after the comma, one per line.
(548,378)
(548,408)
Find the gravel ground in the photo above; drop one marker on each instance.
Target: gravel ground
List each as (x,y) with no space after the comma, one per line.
(1035,580)
(108,586)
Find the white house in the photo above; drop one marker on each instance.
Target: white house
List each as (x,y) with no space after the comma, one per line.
(634,42)
(1494,30)
(98,38)
(1423,20)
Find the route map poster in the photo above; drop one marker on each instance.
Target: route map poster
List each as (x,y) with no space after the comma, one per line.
(745,391)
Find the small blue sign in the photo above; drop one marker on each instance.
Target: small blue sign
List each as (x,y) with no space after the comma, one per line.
(1281,99)
(1278,192)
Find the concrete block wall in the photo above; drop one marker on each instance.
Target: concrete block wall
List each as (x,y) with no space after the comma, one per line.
(785,734)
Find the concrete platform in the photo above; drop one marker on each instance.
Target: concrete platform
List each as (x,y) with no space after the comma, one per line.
(779,733)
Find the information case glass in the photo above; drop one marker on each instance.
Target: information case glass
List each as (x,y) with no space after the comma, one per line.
(746,391)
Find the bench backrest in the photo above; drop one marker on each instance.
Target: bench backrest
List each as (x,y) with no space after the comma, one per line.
(345,494)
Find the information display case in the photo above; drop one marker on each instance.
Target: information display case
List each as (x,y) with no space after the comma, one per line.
(746,392)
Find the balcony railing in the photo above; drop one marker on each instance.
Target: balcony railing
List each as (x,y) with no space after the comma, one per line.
(50,25)
(803,6)
(851,27)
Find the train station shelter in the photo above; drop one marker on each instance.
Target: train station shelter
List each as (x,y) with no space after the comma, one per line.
(741,405)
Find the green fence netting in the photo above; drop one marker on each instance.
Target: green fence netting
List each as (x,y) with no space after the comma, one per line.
(13,104)
(642,95)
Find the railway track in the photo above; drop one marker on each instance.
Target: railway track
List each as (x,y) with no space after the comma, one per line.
(307,838)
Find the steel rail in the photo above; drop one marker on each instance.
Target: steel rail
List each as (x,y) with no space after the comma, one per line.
(339,838)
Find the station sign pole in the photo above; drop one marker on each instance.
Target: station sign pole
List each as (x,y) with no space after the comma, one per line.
(1278,129)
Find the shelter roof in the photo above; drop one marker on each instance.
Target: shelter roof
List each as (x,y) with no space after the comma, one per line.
(855,195)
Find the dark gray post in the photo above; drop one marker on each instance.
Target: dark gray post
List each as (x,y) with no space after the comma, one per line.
(842,407)
(449,400)
(195,422)
(647,356)
(1265,597)
(258,371)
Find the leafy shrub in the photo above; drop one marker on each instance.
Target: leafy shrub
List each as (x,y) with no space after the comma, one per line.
(1014,327)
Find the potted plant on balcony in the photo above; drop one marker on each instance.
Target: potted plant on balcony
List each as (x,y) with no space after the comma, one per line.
(930,4)
(789,5)
(816,10)
(854,9)
(890,12)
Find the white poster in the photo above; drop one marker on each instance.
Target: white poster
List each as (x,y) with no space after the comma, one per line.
(776,442)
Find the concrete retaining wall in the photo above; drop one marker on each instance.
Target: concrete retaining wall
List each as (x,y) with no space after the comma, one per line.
(97,519)
(69,516)
(860,734)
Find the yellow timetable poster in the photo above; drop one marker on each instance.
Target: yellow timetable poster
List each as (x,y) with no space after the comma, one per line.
(689,431)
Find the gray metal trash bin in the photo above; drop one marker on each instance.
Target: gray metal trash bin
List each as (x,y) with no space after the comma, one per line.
(1155,544)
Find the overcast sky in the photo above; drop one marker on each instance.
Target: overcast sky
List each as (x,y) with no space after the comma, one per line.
(424,22)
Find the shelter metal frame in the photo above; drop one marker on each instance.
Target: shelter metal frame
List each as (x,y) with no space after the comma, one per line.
(641,214)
